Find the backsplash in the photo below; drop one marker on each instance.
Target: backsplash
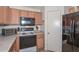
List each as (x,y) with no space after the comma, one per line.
(9,26)
(40,27)
(1,29)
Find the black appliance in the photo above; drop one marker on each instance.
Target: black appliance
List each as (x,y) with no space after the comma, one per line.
(9,31)
(71,31)
(24,21)
(27,41)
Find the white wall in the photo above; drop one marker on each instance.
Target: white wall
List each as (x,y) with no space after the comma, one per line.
(52,8)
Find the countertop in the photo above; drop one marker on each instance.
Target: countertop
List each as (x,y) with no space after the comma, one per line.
(6,42)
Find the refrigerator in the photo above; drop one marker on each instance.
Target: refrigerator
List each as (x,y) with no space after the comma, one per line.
(70,32)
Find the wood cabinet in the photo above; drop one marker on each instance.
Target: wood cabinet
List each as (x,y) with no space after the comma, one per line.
(73,9)
(14,16)
(38,18)
(23,13)
(40,41)
(31,14)
(17,44)
(4,14)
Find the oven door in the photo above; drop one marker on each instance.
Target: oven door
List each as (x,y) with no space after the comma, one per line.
(27,41)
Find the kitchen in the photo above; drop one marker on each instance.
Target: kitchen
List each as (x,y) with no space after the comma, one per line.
(35,28)
(12,29)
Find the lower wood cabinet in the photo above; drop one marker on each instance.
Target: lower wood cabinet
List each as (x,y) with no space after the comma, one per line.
(40,41)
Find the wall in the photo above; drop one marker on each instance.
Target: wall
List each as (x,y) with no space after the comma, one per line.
(1,29)
(52,8)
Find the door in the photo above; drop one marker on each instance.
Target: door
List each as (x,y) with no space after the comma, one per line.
(54,31)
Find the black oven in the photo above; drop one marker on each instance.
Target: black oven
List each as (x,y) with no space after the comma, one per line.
(27,41)
(24,21)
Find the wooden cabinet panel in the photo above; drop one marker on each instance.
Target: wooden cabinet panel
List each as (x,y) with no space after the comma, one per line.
(17,44)
(38,18)
(23,13)
(3,15)
(40,41)
(14,16)
(31,14)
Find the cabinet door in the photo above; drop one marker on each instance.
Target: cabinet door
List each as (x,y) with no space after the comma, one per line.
(23,13)
(40,42)
(38,18)
(31,14)
(14,16)
(3,15)
(17,44)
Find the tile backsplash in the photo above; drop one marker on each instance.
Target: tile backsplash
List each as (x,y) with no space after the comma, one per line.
(9,26)
(1,29)
(41,27)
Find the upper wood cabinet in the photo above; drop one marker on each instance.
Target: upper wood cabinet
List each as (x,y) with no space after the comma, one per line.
(72,9)
(4,14)
(38,18)
(14,16)
(23,13)
(31,14)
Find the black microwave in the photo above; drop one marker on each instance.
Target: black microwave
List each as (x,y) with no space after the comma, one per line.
(24,21)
